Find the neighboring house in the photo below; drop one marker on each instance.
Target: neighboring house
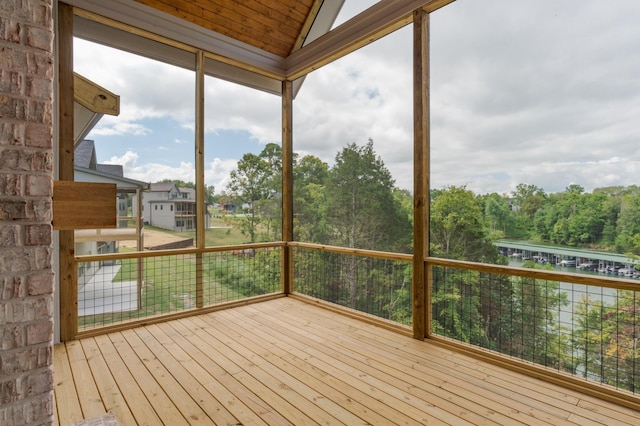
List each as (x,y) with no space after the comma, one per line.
(166,205)
(101,241)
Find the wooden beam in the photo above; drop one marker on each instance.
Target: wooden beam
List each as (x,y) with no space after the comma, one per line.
(420,295)
(199,152)
(201,208)
(67,268)
(287,186)
(140,245)
(311,17)
(374,23)
(94,97)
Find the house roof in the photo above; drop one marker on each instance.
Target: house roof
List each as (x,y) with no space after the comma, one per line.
(123,184)
(90,103)
(85,154)
(162,186)
(111,169)
(190,191)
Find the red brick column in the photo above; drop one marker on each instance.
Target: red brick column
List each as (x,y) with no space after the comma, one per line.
(26,173)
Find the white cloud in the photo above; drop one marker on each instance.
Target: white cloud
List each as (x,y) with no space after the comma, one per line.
(217,173)
(229,106)
(543,93)
(153,172)
(113,126)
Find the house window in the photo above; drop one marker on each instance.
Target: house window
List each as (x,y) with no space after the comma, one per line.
(161,206)
(156,207)
(171,207)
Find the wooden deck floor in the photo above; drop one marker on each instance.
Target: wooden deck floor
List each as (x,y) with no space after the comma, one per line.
(288,362)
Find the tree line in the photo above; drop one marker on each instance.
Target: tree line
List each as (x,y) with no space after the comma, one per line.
(607,218)
(332,205)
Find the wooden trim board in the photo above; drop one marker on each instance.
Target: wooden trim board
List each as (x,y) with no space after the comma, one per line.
(83,205)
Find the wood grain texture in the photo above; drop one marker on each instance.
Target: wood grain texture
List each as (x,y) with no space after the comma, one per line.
(84,205)
(67,269)
(273,26)
(285,361)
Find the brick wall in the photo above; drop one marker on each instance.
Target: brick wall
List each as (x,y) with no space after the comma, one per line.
(26,170)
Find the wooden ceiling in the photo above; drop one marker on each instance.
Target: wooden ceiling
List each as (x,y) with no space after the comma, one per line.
(276,26)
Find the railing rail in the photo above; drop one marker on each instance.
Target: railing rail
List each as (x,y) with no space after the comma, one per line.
(574,278)
(353,251)
(158,253)
(584,328)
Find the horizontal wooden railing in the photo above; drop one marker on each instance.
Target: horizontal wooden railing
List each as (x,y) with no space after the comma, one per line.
(574,278)
(354,251)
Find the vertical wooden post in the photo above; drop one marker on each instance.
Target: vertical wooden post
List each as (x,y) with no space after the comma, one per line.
(421,289)
(286,263)
(68,270)
(140,243)
(200,189)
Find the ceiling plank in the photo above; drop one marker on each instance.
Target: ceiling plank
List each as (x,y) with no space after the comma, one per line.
(123,13)
(235,20)
(270,25)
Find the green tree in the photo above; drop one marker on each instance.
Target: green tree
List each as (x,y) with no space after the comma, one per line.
(573,217)
(360,203)
(528,199)
(607,339)
(361,211)
(252,184)
(270,207)
(456,226)
(462,300)
(310,175)
(497,212)
(628,224)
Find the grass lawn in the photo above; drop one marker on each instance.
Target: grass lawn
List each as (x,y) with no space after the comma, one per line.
(220,233)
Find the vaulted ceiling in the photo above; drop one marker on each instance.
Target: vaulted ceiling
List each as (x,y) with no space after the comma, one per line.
(276,26)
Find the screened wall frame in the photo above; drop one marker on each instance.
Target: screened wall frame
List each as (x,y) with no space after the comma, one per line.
(380,20)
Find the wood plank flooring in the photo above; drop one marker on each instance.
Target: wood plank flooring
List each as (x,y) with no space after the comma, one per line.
(289,362)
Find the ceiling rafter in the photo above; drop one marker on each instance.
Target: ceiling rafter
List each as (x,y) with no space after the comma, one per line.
(374,23)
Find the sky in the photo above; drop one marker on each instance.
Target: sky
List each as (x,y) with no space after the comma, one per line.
(543,92)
